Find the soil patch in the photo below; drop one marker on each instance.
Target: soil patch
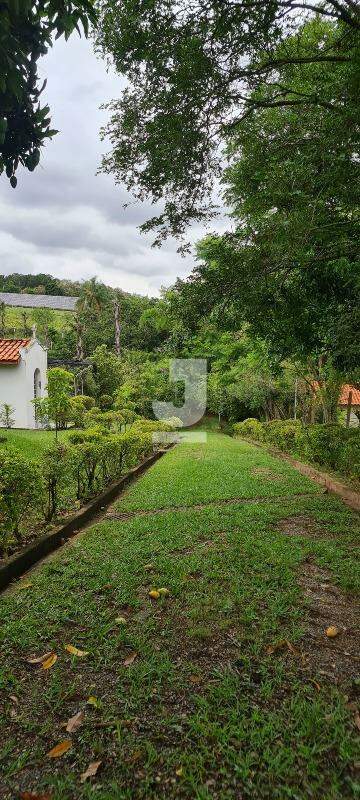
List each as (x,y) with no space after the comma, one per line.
(302,525)
(338,658)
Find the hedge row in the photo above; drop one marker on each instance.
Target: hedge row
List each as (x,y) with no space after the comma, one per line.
(69,474)
(330,446)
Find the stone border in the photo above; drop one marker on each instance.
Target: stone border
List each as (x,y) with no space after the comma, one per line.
(348,496)
(15,566)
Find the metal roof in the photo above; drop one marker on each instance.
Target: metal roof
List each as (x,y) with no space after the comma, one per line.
(56,302)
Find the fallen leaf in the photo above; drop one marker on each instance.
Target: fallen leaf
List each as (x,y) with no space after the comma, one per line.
(332,631)
(60,749)
(273,648)
(154,594)
(121,620)
(74,722)
(34,796)
(91,771)
(75,651)
(93,701)
(195,679)
(49,662)
(25,585)
(39,659)
(130,659)
(316,684)
(136,756)
(357,721)
(163,591)
(179,772)
(14,699)
(148,566)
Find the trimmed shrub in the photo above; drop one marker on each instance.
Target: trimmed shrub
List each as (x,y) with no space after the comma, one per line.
(20,490)
(331,445)
(249,427)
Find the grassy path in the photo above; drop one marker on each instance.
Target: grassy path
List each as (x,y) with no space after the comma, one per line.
(225,686)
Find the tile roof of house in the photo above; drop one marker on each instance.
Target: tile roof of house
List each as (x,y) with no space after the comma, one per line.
(344,397)
(10,350)
(56,302)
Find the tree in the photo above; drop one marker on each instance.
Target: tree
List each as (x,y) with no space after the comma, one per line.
(56,407)
(290,267)
(195,70)
(27,30)
(6,415)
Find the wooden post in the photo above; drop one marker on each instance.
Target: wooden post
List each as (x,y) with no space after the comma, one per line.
(348,410)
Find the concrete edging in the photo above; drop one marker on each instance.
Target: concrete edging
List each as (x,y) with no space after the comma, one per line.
(19,563)
(348,496)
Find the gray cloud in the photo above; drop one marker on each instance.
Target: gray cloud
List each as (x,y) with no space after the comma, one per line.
(63,218)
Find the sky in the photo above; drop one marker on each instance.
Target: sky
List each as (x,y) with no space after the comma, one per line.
(65,220)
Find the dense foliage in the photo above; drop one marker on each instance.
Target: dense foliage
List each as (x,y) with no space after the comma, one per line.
(27,30)
(332,446)
(196,70)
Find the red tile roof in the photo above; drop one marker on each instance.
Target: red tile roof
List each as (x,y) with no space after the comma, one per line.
(346,389)
(10,350)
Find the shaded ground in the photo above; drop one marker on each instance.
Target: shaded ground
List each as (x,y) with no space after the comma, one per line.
(221,688)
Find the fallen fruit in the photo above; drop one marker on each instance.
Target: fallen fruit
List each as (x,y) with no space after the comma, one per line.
(154,594)
(164,591)
(121,620)
(332,631)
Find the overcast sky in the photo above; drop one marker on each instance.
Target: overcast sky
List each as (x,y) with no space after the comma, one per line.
(65,220)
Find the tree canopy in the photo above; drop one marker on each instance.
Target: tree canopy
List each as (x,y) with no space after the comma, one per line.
(196,70)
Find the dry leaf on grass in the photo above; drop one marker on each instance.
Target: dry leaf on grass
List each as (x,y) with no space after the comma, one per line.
(91,771)
(195,679)
(283,643)
(39,659)
(49,662)
(332,631)
(34,796)
(60,749)
(75,651)
(74,722)
(357,721)
(26,585)
(121,620)
(130,659)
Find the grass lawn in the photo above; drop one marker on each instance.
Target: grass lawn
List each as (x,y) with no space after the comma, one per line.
(226,686)
(60,320)
(31,443)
